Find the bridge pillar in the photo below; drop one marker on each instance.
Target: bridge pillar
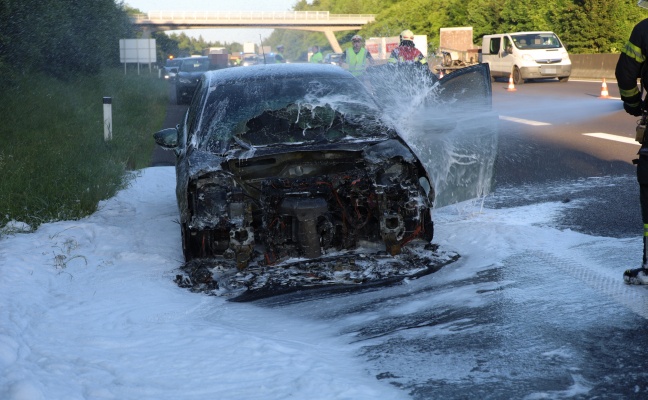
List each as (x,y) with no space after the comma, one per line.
(146,32)
(335,45)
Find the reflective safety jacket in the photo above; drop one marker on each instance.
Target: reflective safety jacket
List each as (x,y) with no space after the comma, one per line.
(632,64)
(407,54)
(317,57)
(357,62)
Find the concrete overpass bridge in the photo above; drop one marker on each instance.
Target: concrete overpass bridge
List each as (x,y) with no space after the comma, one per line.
(318,21)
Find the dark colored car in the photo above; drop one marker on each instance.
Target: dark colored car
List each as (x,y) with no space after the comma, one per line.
(293,162)
(189,73)
(170,69)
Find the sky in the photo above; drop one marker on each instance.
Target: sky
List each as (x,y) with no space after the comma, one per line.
(222,35)
(89,309)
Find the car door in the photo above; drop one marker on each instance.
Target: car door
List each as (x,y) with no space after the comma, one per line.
(506,59)
(457,142)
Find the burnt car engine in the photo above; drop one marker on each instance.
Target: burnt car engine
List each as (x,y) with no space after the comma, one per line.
(309,204)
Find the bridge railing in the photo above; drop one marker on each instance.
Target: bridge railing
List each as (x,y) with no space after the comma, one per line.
(244,16)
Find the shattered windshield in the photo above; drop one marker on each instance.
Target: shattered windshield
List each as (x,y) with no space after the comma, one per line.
(288,111)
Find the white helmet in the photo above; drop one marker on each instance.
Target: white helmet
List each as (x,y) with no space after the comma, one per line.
(643,3)
(408,35)
(356,38)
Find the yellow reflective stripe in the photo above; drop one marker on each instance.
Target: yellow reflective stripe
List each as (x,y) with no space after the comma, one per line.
(629,92)
(633,52)
(645,229)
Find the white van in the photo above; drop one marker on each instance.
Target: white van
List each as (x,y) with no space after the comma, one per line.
(526,55)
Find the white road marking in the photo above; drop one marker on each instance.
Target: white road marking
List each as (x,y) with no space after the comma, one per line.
(523,121)
(615,138)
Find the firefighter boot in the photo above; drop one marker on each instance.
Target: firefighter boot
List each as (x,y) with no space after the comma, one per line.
(639,276)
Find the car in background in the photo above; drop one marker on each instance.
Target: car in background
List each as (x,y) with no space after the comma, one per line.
(333,58)
(170,69)
(284,162)
(251,59)
(189,73)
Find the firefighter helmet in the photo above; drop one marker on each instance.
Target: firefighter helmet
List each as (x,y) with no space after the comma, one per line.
(408,35)
(643,3)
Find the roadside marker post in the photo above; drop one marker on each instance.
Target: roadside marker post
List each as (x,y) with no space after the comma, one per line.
(107,112)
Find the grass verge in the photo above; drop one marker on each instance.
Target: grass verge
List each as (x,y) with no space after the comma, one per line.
(54,162)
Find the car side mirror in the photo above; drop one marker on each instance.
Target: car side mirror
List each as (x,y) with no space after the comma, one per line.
(167,138)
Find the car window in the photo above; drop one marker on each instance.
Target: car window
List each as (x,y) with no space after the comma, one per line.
(195,65)
(546,40)
(288,111)
(494,45)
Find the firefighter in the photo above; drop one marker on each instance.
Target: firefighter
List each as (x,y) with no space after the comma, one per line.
(407,52)
(630,67)
(356,58)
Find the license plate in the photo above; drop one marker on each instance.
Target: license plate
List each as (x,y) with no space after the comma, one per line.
(548,71)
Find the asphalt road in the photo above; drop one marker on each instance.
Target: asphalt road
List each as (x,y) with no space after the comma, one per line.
(545,139)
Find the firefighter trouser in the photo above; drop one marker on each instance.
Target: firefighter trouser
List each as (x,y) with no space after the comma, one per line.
(642,178)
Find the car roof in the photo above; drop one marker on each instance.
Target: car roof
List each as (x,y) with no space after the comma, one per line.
(278,71)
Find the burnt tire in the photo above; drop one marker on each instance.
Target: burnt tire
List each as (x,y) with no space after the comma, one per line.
(189,245)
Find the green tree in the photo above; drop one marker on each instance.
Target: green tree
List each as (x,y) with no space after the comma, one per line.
(591,26)
(484,16)
(527,15)
(60,37)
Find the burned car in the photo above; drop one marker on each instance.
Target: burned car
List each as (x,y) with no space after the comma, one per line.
(288,176)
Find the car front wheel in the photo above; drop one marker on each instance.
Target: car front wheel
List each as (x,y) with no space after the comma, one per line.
(188,243)
(517,76)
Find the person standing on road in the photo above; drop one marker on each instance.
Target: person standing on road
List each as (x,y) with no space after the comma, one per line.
(630,67)
(356,58)
(317,56)
(279,57)
(407,52)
